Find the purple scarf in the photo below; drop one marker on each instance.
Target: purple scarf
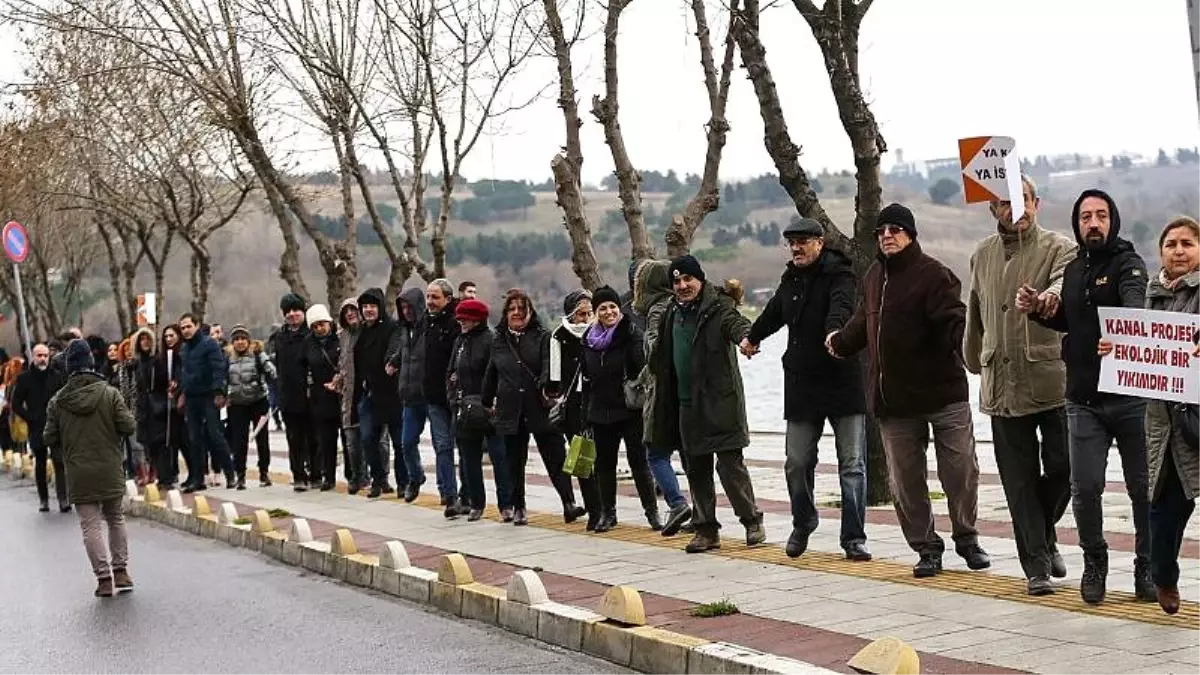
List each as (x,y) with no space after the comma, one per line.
(600,338)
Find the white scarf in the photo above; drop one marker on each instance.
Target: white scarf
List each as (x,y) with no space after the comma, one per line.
(576,329)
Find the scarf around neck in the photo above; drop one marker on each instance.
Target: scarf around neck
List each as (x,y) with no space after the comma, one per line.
(600,338)
(576,329)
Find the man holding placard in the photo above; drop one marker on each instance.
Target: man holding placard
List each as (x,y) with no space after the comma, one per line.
(1022,383)
(1107,272)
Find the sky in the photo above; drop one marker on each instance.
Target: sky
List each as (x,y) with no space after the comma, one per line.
(1091,76)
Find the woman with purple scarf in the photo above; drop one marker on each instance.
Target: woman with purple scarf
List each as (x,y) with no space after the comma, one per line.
(613,354)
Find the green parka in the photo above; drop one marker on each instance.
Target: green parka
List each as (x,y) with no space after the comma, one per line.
(87,419)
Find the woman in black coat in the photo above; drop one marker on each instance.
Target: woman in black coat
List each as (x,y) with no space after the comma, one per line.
(612,355)
(512,388)
(165,431)
(320,360)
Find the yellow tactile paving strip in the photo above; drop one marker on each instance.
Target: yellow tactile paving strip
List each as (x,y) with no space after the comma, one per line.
(1117,604)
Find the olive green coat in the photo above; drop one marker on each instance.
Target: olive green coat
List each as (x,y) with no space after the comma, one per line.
(87,419)
(651,297)
(717,392)
(1161,435)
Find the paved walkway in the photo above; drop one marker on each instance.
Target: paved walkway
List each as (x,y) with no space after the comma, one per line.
(961,621)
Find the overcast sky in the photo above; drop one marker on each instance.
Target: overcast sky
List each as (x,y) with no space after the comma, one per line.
(1088,76)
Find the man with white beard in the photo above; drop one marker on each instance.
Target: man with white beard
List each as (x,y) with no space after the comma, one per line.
(30,397)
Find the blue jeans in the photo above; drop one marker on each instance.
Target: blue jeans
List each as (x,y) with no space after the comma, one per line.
(208,437)
(471,449)
(440,427)
(408,469)
(850,434)
(664,475)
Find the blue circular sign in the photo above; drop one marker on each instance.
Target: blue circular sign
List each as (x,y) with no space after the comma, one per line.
(16,242)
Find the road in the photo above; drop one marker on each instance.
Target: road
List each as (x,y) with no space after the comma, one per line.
(201,606)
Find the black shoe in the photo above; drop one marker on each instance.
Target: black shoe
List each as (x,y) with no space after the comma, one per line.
(1058,566)
(411,492)
(976,557)
(1040,585)
(519,517)
(44,507)
(231,481)
(189,489)
(929,565)
(451,511)
(388,489)
(506,514)
(676,519)
(1092,585)
(353,487)
(474,515)
(797,544)
(1143,585)
(688,528)
(376,490)
(572,513)
(654,521)
(300,486)
(605,524)
(241,481)
(64,507)
(593,521)
(857,552)
(264,479)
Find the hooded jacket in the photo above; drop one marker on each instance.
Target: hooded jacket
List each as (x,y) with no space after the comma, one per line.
(87,420)
(1111,276)
(411,377)
(378,344)
(652,295)
(441,332)
(347,337)
(513,378)
(291,387)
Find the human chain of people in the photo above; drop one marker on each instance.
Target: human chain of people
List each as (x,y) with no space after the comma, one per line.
(655,369)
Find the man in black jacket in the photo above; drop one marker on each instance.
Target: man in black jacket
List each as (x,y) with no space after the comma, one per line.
(30,397)
(815,298)
(1107,272)
(377,359)
(289,346)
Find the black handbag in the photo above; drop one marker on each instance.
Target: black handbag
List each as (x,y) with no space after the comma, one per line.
(558,410)
(471,417)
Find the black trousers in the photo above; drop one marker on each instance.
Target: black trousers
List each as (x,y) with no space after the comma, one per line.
(552,447)
(608,439)
(324,463)
(40,454)
(241,419)
(1036,476)
(302,447)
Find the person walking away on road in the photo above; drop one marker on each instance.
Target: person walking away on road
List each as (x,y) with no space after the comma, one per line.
(699,402)
(202,386)
(1106,272)
(353,464)
(911,323)
(652,296)
(464,387)
(816,297)
(289,347)
(562,375)
(1174,456)
(377,394)
(613,355)
(321,360)
(30,397)
(1023,380)
(512,388)
(87,420)
(250,375)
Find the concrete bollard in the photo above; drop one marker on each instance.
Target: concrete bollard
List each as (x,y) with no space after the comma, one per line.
(151,494)
(623,605)
(131,491)
(200,506)
(526,588)
(228,514)
(394,556)
(887,656)
(175,502)
(518,612)
(343,543)
(261,522)
(453,570)
(300,533)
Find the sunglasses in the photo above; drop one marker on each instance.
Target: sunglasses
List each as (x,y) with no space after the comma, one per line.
(889,229)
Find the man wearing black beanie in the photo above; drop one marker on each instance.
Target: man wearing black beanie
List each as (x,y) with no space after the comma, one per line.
(289,347)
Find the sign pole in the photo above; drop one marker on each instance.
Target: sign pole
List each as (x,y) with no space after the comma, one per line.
(21,312)
(15,242)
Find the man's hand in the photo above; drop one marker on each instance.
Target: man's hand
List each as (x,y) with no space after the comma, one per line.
(1027,299)
(389,369)
(829,345)
(1104,347)
(1047,304)
(748,348)
(220,400)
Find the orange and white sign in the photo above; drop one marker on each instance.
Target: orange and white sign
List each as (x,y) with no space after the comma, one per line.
(146,313)
(991,171)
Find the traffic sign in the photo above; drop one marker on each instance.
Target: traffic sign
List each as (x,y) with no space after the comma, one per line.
(16,242)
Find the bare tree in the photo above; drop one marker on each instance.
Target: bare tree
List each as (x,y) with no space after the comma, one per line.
(1193,10)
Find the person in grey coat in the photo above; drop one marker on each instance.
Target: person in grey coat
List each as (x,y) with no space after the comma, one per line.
(251,373)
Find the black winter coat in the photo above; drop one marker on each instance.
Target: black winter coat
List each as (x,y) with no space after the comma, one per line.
(607,371)
(570,350)
(31,395)
(320,360)
(469,363)
(813,302)
(1114,276)
(411,334)
(378,344)
(513,379)
(291,384)
(441,334)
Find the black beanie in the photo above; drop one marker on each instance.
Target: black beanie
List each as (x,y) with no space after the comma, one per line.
(572,301)
(78,357)
(292,302)
(686,264)
(605,294)
(895,214)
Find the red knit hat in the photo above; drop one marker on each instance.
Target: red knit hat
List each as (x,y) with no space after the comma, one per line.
(472,310)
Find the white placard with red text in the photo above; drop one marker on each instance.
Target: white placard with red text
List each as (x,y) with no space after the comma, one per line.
(1152,354)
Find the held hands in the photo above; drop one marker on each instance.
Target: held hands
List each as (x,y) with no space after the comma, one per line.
(220,401)
(1030,301)
(389,369)
(747,348)
(829,345)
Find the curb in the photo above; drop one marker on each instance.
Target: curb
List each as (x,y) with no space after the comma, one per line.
(614,632)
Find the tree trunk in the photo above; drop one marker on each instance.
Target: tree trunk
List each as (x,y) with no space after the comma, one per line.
(114,275)
(201,281)
(570,200)
(1193,10)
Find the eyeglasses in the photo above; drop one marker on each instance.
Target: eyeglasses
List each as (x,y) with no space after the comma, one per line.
(888,229)
(802,241)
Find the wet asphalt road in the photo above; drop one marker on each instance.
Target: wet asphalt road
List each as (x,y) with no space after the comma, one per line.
(201,606)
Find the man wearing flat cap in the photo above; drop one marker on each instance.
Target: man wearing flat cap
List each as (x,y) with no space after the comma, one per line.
(816,297)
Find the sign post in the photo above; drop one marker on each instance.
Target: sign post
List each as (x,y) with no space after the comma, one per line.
(16,247)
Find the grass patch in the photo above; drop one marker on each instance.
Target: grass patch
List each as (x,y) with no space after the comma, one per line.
(721,607)
(241,520)
(279,513)
(934,494)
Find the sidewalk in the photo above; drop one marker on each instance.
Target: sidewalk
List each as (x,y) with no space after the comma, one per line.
(819,608)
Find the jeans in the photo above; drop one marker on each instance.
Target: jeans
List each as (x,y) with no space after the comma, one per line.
(92,518)
(40,454)
(1169,515)
(353,464)
(471,448)
(730,466)
(408,466)
(442,430)
(241,419)
(664,475)
(1092,429)
(208,436)
(552,447)
(1037,482)
(608,438)
(850,434)
(905,442)
(302,447)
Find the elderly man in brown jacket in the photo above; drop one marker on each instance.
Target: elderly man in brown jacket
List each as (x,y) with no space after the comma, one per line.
(1023,379)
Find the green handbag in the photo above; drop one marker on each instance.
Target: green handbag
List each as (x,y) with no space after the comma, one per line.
(581,457)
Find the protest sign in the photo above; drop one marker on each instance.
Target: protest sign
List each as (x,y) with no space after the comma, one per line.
(1152,354)
(991,171)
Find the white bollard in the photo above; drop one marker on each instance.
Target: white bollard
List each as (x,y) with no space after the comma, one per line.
(301,533)
(228,514)
(175,502)
(394,556)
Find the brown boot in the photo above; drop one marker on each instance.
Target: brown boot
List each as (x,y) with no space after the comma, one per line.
(122,581)
(1168,599)
(104,587)
(756,533)
(703,541)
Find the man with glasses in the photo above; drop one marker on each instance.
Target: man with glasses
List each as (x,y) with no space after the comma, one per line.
(912,325)
(815,298)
